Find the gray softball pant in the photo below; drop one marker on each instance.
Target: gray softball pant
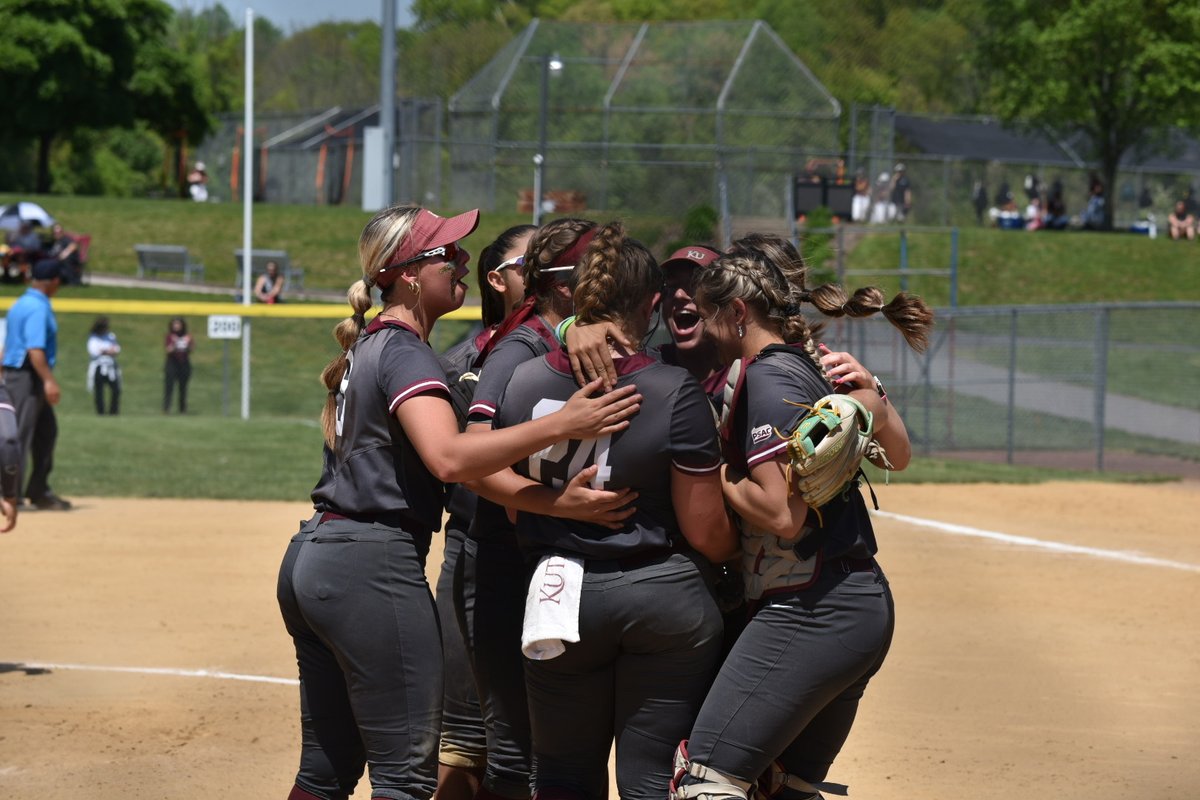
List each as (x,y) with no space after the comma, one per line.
(789,689)
(355,601)
(492,579)
(464,738)
(650,641)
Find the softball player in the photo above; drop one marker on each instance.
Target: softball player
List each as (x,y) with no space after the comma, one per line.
(352,588)
(788,692)
(462,754)
(493,572)
(649,628)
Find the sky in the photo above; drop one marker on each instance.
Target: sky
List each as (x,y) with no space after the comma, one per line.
(289,15)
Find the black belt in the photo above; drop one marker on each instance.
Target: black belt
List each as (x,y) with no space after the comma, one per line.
(848,565)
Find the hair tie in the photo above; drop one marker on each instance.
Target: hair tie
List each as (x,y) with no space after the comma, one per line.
(806,296)
(791,310)
(844,309)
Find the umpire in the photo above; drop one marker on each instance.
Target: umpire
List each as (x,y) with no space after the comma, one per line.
(30,350)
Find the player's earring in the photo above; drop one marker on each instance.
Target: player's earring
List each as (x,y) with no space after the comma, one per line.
(416,290)
(741,331)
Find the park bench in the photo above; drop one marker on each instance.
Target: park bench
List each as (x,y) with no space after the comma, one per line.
(293,276)
(156,258)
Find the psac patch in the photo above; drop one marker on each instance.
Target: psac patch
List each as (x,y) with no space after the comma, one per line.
(761,433)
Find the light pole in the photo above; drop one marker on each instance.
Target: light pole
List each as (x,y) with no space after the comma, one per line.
(550,64)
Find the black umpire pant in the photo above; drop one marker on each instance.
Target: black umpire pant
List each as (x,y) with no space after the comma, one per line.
(38,427)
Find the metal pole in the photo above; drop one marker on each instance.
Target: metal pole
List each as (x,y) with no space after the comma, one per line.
(247,207)
(841,254)
(954,267)
(387,99)
(903,260)
(1101,382)
(1012,386)
(225,378)
(539,160)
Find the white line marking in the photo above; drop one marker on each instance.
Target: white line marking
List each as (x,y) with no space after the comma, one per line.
(185,673)
(1026,541)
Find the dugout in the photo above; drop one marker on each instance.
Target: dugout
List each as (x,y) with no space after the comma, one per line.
(650,118)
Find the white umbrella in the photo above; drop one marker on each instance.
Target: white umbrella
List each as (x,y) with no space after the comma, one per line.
(13,214)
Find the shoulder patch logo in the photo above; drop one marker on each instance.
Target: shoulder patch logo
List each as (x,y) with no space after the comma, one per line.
(761,433)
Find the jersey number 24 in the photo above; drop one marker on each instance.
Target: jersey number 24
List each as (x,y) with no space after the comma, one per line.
(562,461)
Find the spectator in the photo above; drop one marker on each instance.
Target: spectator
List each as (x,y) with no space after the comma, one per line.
(1181,222)
(1189,199)
(64,248)
(882,209)
(1055,218)
(269,285)
(1033,186)
(198,183)
(902,198)
(30,353)
(24,248)
(1004,195)
(1093,214)
(1034,219)
(178,367)
(103,371)
(979,200)
(860,204)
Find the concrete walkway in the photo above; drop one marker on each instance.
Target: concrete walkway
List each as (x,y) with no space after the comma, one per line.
(1033,392)
(226,292)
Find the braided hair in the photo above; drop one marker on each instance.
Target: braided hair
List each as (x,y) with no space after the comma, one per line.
(768,274)
(379,240)
(549,243)
(615,277)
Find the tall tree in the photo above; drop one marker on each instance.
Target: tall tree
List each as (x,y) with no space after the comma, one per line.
(73,64)
(1122,72)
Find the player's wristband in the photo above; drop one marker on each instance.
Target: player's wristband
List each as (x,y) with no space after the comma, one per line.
(879,388)
(560,330)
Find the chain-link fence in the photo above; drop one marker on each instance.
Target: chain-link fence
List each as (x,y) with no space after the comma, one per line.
(1077,385)
(317,158)
(651,118)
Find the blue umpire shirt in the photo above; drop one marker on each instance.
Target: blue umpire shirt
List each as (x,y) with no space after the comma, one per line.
(31,324)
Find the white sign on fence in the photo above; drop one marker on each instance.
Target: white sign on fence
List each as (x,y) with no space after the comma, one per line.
(222,326)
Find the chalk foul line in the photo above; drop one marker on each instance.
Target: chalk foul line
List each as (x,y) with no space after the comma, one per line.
(1043,544)
(184,673)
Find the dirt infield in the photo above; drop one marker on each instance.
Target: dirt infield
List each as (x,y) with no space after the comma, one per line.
(1017,670)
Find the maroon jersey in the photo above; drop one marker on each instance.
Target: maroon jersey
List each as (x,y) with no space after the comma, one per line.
(373,472)
(674,428)
(762,408)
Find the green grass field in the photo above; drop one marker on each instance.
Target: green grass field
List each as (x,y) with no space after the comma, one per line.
(276,454)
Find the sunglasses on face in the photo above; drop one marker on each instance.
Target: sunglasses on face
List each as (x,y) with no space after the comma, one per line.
(447,252)
(519,261)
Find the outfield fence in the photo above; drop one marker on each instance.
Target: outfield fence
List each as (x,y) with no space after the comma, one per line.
(1070,384)
(1077,385)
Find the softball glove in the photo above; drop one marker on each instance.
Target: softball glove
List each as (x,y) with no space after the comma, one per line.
(826,447)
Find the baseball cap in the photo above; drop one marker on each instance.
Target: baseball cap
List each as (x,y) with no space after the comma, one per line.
(898,168)
(47,269)
(429,231)
(692,255)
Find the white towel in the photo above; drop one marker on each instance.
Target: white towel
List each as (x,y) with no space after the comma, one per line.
(552,607)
